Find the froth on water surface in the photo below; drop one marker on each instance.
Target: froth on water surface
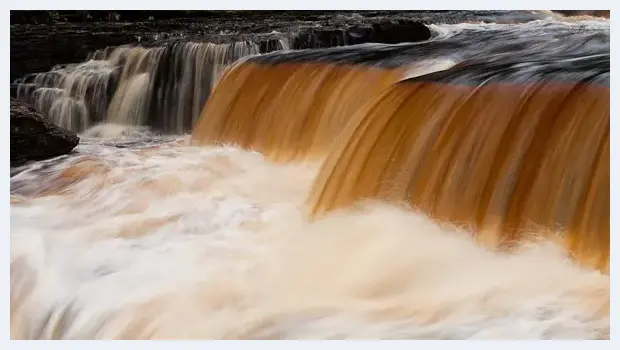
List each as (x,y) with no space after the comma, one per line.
(173,241)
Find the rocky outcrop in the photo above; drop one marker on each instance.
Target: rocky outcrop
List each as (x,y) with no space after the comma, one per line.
(385,32)
(35,138)
(38,48)
(43,39)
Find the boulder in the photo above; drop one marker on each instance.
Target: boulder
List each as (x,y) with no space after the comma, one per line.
(35,138)
(400,31)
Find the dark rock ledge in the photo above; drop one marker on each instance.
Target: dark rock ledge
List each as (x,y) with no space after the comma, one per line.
(35,138)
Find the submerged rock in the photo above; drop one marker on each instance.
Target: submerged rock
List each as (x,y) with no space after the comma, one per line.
(35,138)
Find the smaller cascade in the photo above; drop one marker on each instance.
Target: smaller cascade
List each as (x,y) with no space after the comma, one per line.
(73,96)
(164,86)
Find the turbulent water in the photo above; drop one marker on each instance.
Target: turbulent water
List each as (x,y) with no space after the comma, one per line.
(172,241)
(141,235)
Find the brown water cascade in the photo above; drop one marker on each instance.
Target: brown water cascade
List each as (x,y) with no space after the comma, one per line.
(506,159)
(501,144)
(288,111)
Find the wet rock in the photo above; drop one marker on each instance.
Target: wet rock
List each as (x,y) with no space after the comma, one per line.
(35,138)
(319,38)
(43,39)
(38,48)
(393,32)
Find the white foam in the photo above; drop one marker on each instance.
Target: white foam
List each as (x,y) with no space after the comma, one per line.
(428,66)
(172,241)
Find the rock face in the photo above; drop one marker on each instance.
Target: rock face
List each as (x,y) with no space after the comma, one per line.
(34,138)
(385,32)
(38,48)
(43,39)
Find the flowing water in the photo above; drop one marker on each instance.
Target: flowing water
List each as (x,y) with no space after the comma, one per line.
(402,154)
(163,86)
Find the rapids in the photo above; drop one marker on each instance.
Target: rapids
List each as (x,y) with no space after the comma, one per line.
(142,234)
(165,240)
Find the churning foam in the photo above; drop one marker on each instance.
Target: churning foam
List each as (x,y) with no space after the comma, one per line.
(172,241)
